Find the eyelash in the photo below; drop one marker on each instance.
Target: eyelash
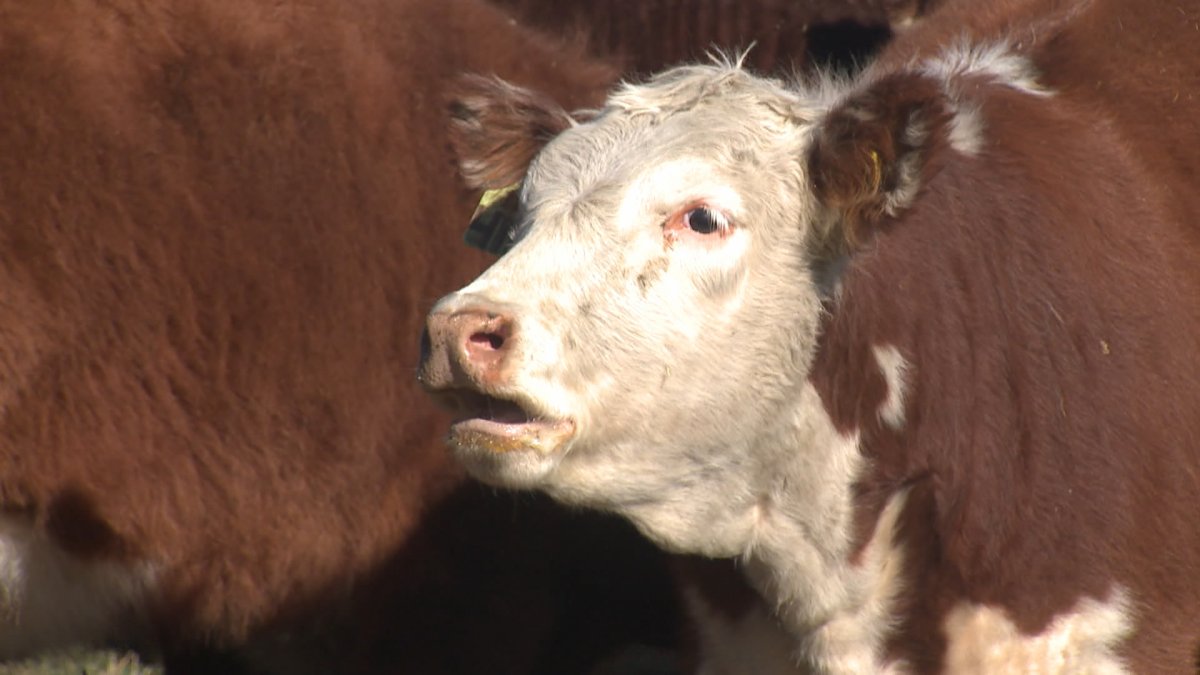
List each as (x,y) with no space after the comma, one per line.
(714,221)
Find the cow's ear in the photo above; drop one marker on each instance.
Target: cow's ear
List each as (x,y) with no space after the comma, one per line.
(870,156)
(497,128)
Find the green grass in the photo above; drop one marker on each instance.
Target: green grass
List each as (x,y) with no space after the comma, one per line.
(81,662)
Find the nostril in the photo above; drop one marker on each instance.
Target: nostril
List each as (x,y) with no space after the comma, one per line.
(483,340)
(489,341)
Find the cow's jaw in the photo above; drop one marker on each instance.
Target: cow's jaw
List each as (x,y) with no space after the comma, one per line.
(506,437)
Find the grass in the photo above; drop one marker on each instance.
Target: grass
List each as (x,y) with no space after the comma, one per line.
(81,662)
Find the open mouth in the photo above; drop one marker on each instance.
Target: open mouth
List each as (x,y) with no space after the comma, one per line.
(499,425)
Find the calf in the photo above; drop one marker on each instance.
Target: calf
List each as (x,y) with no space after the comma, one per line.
(918,349)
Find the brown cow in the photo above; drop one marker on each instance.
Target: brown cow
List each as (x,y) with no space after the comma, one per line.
(918,348)
(219,222)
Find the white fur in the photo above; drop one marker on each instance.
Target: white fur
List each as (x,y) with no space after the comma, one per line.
(757,644)
(966,127)
(895,373)
(908,185)
(676,181)
(50,600)
(851,641)
(983,640)
(996,62)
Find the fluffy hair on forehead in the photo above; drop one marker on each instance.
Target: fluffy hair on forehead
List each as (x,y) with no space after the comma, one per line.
(724,83)
(725,113)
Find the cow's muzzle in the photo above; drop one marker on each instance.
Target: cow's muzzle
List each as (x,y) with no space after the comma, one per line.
(466,359)
(465,349)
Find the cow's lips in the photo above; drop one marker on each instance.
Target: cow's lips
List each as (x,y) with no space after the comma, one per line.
(501,425)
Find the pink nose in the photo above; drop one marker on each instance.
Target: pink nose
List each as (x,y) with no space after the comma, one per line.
(466,348)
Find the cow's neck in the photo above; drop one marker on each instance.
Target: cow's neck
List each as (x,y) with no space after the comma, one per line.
(834,593)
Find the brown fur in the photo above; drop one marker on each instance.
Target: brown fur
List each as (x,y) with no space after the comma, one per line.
(649,34)
(855,167)
(1047,297)
(496,129)
(220,224)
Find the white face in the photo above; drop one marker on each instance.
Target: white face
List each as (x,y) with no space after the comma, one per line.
(663,316)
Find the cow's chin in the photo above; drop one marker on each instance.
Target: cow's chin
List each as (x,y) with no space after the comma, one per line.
(510,454)
(544,437)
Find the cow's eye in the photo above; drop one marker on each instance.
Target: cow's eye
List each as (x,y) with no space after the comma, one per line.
(703,220)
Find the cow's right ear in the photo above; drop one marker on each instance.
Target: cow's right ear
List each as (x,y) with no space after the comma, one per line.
(497,128)
(871,154)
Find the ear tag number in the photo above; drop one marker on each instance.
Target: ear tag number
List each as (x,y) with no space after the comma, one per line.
(493,220)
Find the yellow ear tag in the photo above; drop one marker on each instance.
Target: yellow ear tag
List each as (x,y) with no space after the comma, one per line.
(876,172)
(492,221)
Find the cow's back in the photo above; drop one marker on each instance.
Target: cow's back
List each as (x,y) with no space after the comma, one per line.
(1133,65)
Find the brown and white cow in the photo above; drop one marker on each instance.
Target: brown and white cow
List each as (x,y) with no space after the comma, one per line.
(919,349)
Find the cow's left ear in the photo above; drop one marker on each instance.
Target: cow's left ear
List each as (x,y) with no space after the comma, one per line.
(496,128)
(871,154)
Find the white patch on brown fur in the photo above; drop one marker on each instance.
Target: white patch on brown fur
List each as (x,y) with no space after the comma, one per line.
(49,599)
(996,62)
(981,639)
(895,371)
(966,127)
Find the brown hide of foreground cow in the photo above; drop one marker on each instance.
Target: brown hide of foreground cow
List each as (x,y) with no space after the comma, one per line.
(1099,55)
(1102,394)
(1002,246)
(220,224)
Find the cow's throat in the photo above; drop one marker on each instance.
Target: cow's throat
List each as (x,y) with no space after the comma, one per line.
(801,558)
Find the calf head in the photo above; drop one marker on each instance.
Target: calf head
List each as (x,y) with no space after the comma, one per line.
(649,336)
